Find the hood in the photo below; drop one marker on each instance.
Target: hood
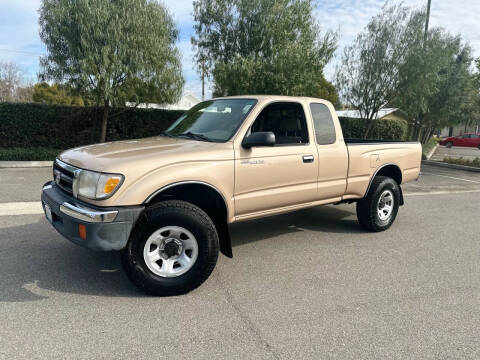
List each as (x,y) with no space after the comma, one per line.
(144,154)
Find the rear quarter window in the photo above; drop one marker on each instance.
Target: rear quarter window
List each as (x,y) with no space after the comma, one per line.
(323,122)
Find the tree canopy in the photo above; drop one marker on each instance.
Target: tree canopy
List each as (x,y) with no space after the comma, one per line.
(263,47)
(393,63)
(13,84)
(436,83)
(55,94)
(368,75)
(116,51)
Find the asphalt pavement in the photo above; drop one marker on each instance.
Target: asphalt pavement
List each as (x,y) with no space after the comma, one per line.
(306,285)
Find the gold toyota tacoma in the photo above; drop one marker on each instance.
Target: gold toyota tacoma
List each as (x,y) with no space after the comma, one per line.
(166,201)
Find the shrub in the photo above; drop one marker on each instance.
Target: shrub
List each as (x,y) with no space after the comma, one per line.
(63,127)
(461,161)
(28,154)
(387,129)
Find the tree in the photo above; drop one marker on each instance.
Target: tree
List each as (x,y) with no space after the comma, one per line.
(117,51)
(368,76)
(436,85)
(24,94)
(262,47)
(55,94)
(12,79)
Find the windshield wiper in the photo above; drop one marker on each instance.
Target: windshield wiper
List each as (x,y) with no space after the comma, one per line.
(195,136)
(164,133)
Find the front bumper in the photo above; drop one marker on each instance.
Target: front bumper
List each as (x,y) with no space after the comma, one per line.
(106,228)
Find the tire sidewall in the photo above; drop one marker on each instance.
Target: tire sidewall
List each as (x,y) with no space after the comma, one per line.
(386,184)
(153,219)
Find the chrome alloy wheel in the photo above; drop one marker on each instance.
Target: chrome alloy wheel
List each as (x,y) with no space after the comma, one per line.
(170,251)
(385,205)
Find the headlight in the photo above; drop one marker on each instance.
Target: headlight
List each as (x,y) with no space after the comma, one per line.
(93,185)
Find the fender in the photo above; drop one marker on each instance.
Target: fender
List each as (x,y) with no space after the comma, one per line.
(376,173)
(222,226)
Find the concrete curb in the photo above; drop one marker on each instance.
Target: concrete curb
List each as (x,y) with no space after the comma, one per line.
(430,154)
(450,166)
(25,164)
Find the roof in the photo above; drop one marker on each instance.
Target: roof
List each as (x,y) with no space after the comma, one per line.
(355,114)
(187,101)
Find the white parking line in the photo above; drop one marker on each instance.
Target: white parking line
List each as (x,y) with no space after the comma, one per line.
(21,208)
(441,192)
(455,178)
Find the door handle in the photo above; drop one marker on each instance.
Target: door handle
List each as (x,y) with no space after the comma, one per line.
(307,158)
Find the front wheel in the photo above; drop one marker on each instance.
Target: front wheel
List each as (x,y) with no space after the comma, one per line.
(449,144)
(377,211)
(172,249)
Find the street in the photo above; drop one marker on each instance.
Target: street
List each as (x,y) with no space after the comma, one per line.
(306,285)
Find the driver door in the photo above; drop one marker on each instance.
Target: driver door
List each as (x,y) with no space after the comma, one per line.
(285,175)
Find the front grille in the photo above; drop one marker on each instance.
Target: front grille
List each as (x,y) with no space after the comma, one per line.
(63,175)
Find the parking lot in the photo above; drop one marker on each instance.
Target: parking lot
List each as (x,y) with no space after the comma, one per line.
(306,285)
(456,152)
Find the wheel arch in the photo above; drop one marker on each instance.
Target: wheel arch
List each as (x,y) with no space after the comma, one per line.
(390,170)
(205,196)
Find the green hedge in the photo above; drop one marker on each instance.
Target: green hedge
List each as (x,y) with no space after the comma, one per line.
(387,129)
(28,154)
(461,161)
(64,127)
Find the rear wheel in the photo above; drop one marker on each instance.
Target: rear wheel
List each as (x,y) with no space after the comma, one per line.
(377,211)
(172,250)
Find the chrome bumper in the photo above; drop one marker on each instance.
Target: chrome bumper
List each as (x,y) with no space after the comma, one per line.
(88,215)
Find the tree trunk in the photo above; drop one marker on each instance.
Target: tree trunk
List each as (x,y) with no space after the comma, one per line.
(426,135)
(103,136)
(369,127)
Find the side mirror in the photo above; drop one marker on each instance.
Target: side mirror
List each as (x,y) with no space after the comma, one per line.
(266,138)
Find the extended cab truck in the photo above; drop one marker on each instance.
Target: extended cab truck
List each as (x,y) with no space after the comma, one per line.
(166,201)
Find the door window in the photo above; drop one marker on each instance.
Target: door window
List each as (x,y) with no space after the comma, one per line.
(286,120)
(323,122)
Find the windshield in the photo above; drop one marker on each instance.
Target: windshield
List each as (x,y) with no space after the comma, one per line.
(213,120)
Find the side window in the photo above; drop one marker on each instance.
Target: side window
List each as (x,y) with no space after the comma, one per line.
(324,127)
(286,120)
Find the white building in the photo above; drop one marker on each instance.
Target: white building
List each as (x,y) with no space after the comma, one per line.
(355,114)
(187,101)
(460,129)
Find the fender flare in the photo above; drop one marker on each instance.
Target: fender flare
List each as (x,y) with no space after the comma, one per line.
(223,230)
(375,174)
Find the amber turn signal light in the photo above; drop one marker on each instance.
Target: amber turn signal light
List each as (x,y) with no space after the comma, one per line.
(82,230)
(110,185)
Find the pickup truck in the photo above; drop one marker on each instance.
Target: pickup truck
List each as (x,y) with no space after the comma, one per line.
(166,202)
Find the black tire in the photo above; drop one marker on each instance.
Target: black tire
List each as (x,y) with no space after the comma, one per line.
(171,213)
(367,208)
(449,144)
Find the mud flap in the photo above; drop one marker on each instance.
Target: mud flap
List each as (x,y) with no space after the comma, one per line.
(225,242)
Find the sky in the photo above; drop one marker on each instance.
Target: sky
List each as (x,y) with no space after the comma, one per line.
(20,42)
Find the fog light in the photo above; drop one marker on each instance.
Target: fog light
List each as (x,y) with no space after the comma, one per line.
(82,230)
